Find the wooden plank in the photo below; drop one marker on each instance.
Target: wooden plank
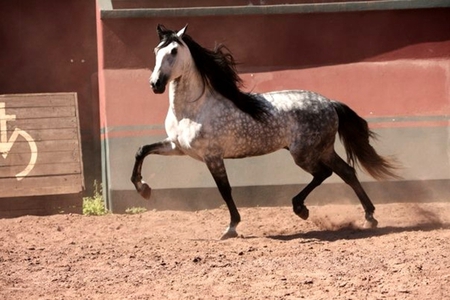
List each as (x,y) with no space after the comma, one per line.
(22,159)
(48,185)
(42,170)
(41,112)
(62,134)
(42,123)
(41,205)
(52,134)
(44,146)
(38,100)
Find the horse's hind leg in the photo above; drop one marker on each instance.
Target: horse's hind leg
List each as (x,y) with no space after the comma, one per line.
(298,202)
(348,174)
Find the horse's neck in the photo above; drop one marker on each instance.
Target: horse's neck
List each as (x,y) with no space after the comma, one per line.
(186,95)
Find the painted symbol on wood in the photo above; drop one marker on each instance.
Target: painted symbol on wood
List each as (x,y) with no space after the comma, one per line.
(6,144)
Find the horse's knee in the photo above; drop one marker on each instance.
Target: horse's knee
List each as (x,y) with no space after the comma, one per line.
(139,153)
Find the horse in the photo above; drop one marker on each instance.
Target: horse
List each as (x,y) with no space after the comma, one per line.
(211,119)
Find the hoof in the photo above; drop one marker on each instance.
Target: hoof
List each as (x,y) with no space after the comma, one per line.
(302,212)
(145,190)
(229,233)
(370,222)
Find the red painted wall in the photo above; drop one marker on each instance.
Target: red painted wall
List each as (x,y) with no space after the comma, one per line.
(366,59)
(199,3)
(391,67)
(50,46)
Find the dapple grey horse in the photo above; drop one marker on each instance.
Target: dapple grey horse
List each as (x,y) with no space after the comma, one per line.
(211,119)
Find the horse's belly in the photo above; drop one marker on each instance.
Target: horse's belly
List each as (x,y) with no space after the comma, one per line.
(254,145)
(241,153)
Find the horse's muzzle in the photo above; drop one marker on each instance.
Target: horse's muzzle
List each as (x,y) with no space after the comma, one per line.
(158,85)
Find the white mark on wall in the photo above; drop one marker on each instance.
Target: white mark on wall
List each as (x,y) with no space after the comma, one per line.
(6,144)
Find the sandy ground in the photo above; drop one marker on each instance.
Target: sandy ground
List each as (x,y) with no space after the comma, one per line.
(177,255)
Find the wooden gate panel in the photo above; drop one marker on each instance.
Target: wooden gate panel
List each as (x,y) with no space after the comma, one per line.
(40,147)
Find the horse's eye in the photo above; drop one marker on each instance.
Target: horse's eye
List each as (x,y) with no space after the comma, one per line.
(174,51)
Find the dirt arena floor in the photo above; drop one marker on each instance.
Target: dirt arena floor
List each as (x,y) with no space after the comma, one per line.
(177,255)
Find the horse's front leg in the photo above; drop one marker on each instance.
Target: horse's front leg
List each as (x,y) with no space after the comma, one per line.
(162,148)
(217,168)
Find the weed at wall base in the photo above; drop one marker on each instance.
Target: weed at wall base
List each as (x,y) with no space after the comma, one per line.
(95,205)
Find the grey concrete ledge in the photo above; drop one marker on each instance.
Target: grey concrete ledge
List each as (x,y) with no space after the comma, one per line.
(107,12)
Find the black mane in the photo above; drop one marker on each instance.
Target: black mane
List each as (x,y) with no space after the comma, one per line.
(218,70)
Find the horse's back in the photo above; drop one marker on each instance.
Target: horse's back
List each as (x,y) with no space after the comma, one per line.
(310,117)
(297,100)
(296,119)
(303,108)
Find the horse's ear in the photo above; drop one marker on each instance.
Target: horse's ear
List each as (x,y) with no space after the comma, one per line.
(182,31)
(160,29)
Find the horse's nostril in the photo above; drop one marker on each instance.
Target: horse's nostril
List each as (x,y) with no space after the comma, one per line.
(158,83)
(158,86)
(155,84)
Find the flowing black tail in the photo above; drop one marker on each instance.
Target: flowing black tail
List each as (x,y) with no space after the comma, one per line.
(355,134)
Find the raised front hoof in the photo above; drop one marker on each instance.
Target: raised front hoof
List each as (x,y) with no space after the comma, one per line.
(145,191)
(228,234)
(370,223)
(302,212)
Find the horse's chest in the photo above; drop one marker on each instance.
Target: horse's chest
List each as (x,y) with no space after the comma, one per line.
(184,133)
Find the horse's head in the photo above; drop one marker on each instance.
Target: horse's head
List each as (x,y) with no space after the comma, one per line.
(171,55)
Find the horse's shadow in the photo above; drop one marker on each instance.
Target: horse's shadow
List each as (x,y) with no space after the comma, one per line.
(351,233)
